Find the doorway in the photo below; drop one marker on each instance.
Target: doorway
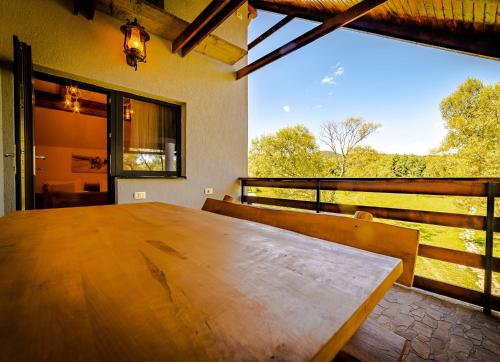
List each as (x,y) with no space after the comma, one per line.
(70,127)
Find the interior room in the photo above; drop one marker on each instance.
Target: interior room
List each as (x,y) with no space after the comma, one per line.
(70,128)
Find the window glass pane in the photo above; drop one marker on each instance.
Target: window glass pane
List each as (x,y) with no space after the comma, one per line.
(149,136)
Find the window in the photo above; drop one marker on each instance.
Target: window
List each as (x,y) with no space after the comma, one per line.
(149,142)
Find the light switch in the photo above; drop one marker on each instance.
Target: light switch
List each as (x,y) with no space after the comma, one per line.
(140,195)
(209,190)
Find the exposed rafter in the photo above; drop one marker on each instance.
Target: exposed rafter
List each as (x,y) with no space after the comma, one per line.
(461,40)
(168,26)
(56,101)
(85,7)
(326,27)
(201,20)
(217,15)
(271,31)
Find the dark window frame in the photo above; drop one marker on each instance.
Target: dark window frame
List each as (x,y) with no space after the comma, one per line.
(119,135)
(115,131)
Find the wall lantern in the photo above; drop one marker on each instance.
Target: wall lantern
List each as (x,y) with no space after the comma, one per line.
(134,42)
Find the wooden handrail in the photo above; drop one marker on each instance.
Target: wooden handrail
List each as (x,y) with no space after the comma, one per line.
(431,186)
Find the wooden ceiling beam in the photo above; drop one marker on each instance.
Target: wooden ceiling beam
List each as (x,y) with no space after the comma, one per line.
(462,41)
(55,101)
(271,31)
(201,20)
(168,26)
(326,27)
(230,7)
(86,7)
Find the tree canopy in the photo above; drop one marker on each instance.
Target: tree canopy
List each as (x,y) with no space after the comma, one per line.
(342,137)
(472,118)
(290,152)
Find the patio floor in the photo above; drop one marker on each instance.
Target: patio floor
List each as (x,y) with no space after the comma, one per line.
(438,328)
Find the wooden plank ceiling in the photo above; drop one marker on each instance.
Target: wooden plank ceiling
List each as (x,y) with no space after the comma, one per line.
(468,26)
(161,23)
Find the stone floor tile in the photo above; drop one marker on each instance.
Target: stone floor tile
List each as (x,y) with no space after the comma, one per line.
(423,329)
(431,322)
(420,348)
(491,346)
(439,329)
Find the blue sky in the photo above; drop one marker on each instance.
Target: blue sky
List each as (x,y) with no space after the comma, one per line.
(396,84)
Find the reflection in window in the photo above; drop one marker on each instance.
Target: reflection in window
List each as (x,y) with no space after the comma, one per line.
(149,136)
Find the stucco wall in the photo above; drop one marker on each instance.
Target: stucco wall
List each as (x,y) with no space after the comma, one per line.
(214,103)
(1,153)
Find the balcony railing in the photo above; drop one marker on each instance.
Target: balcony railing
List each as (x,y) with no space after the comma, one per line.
(485,188)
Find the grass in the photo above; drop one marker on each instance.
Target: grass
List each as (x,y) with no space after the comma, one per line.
(447,237)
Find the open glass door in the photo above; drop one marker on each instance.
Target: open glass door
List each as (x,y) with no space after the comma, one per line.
(24,134)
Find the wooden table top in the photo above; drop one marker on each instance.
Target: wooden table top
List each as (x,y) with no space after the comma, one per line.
(159,282)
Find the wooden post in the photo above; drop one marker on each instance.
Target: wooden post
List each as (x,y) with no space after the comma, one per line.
(242,197)
(490,220)
(318,197)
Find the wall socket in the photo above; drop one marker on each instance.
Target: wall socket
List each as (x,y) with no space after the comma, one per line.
(209,190)
(140,195)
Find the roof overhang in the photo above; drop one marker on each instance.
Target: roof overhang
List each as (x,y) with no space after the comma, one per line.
(471,34)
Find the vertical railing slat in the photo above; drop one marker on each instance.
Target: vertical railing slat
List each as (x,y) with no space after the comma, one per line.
(490,219)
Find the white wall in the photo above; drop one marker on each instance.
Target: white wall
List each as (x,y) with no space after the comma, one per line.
(2,202)
(215,104)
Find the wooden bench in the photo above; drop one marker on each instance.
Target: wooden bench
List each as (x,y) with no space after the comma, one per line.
(395,241)
(370,343)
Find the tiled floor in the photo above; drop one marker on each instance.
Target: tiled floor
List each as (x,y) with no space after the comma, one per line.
(439,329)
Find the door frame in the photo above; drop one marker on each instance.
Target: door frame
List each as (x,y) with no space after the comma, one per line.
(109,127)
(23,125)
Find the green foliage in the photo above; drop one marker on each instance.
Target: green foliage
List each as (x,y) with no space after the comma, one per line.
(472,117)
(290,152)
(365,161)
(408,166)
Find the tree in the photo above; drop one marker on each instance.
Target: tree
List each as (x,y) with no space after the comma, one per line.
(472,117)
(342,137)
(290,152)
(408,166)
(365,161)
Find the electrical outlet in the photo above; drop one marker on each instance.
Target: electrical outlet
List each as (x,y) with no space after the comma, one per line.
(209,190)
(140,195)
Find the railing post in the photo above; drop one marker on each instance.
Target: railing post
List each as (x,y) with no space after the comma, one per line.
(490,220)
(318,196)
(242,195)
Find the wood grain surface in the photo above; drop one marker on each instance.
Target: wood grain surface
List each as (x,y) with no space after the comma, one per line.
(149,282)
(396,241)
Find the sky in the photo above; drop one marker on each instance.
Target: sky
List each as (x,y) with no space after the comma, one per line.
(352,74)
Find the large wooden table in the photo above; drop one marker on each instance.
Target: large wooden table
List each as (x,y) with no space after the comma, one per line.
(150,282)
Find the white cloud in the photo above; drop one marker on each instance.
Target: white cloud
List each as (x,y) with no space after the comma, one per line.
(286,108)
(338,71)
(327,80)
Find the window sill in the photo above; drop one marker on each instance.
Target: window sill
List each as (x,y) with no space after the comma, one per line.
(150,177)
